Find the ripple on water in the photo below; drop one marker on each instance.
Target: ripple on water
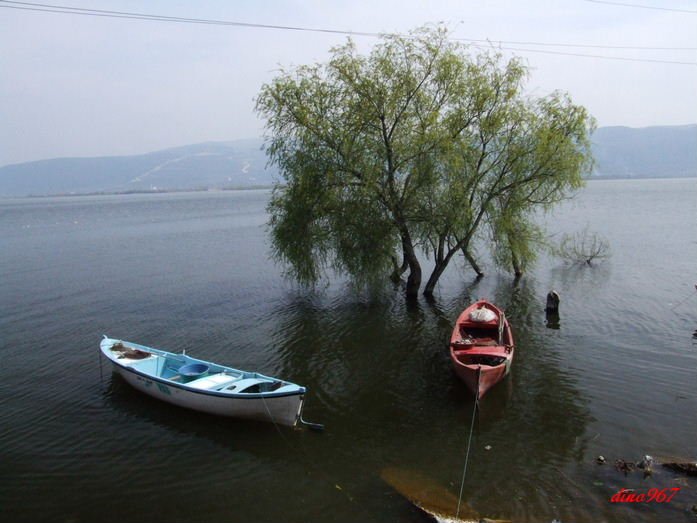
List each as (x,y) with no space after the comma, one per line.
(617,378)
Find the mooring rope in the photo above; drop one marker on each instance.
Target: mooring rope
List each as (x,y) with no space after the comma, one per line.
(101,374)
(278,429)
(469,442)
(308,459)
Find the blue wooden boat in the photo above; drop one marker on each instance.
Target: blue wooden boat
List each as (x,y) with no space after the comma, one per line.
(204,386)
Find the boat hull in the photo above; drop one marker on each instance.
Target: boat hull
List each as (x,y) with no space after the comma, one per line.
(481,351)
(478,378)
(284,410)
(223,391)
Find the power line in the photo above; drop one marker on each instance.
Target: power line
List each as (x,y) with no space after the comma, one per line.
(639,6)
(560,53)
(50,8)
(141,16)
(585,46)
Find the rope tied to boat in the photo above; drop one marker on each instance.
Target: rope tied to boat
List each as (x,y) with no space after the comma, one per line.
(469,442)
(309,460)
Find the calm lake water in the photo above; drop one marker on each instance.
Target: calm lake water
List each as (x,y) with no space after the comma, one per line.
(191,271)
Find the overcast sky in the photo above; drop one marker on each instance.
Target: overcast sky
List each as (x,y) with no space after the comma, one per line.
(89,86)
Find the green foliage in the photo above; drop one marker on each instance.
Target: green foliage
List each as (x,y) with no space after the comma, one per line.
(418,144)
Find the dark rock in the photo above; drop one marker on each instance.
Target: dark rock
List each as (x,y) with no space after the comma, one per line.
(689,469)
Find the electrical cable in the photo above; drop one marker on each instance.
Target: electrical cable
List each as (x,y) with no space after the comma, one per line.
(51,8)
(640,6)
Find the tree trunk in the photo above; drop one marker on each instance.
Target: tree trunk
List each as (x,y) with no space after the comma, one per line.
(435,276)
(443,261)
(473,263)
(414,279)
(396,275)
(441,264)
(517,269)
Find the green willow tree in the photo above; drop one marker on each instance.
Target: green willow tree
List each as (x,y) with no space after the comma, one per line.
(416,149)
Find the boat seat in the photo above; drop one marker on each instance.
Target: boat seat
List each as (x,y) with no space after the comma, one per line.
(287,388)
(213,381)
(243,384)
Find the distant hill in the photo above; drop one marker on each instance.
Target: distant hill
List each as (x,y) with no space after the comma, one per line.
(619,152)
(650,152)
(239,163)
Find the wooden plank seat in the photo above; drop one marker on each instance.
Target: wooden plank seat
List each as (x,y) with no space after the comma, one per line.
(231,383)
(254,385)
(213,381)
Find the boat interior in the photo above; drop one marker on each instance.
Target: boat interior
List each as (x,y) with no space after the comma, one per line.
(199,375)
(480,359)
(478,336)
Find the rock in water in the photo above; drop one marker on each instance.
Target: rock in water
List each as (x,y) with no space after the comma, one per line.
(432,498)
(689,469)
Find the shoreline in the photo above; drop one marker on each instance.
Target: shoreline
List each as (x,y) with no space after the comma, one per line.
(143,191)
(268,187)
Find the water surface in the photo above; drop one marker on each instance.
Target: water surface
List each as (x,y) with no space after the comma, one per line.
(191,271)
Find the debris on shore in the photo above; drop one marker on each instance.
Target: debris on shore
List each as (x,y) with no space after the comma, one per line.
(646,464)
(624,466)
(689,469)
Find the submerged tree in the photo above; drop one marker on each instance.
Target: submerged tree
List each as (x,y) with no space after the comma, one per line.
(416,148)
(583,247)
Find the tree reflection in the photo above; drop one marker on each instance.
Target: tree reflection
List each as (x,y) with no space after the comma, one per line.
(379,376)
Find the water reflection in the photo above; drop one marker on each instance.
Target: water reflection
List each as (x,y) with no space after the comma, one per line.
(380,379)
(228,434)
(583,275)
(552,320)
(222,463)
(388,395)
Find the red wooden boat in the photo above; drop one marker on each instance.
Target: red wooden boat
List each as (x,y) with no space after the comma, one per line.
(481,347)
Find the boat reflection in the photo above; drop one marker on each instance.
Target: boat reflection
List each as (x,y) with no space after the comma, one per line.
(380,379)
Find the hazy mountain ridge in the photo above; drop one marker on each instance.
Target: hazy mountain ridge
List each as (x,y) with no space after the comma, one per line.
(650,152)
(240,163)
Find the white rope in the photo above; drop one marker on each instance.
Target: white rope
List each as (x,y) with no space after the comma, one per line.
(278,429)
(308,459)
(469,442)
(101,374)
